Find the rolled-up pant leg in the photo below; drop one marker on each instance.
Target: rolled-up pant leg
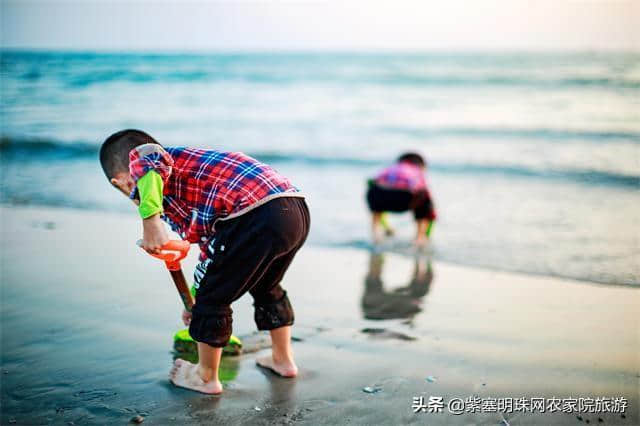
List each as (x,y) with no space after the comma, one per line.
(211,325)
(272,306)
(422,206)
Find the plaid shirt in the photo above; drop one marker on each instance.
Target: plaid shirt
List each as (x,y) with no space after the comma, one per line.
(203,186)
(404,176)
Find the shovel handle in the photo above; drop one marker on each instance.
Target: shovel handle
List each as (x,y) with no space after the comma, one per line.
(172,252)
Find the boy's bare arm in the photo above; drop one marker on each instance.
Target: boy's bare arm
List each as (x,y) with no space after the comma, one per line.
(154,234)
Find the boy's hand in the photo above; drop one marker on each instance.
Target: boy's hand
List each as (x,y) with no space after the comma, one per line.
(186,317)
(154,234)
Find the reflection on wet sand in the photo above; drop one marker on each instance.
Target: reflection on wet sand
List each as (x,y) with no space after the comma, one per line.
(400,303)
(281,390)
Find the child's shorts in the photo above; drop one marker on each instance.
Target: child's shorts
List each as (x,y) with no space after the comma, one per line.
(396,200)
(250,253)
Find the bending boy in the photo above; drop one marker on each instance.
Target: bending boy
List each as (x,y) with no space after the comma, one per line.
(249,222)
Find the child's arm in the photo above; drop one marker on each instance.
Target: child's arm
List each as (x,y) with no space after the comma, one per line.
(154,234)
(384,221)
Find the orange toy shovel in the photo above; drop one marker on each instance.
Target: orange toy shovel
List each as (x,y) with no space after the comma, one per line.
(172,253)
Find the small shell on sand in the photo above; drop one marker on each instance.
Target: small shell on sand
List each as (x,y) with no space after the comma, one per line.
(137,419)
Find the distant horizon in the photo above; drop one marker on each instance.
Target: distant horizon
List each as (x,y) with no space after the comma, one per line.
(372,50)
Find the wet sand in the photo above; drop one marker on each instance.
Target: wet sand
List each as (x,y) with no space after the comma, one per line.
(88,319)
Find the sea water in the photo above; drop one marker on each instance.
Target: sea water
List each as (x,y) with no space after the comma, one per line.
(534,158)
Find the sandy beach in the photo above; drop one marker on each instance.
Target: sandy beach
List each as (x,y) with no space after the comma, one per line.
(88,319)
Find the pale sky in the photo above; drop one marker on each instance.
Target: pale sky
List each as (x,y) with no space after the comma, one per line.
(317,25)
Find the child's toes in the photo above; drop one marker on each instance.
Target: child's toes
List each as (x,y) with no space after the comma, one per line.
(173,373)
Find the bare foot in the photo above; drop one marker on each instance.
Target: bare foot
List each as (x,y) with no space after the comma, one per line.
(284,369)
(185,375)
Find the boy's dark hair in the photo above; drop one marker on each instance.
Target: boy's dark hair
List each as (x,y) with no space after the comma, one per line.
(413,158)
(114,152)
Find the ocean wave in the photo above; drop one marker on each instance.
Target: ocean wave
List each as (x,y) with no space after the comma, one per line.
(582,176)
(511,133)
(81,80)
(450,80)
(98,77)
(37,150)
(33,149)
(79,70)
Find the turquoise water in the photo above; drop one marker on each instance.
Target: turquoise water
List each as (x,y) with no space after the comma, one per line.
(534,158)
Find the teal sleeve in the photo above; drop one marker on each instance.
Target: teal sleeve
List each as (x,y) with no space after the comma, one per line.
(150,190)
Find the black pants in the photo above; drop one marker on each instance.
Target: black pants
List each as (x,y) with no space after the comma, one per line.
(250,253)
(395,200)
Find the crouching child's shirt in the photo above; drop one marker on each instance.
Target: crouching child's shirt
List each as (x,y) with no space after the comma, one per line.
(402,176)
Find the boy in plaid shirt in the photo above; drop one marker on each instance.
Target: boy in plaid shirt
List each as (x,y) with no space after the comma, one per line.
(249,222)
(398,188)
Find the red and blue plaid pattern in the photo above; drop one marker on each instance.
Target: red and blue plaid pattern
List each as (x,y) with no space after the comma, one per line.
(404,176)
(201,186)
